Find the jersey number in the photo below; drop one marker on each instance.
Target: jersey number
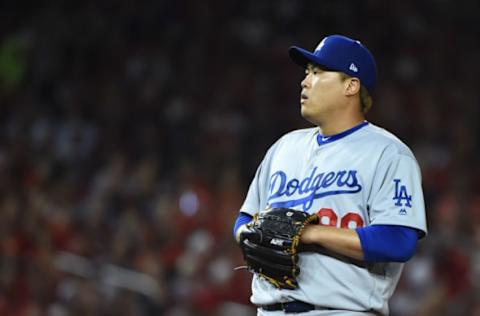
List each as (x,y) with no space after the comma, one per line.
(329,218)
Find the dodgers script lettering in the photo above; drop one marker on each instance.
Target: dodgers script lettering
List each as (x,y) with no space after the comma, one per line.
(315,186)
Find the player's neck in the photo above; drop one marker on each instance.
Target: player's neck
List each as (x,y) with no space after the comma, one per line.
(333,127)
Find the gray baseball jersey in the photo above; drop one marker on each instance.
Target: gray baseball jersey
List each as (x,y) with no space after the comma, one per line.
(363,176)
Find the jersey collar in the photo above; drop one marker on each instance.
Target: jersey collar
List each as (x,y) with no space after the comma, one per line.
(322,140)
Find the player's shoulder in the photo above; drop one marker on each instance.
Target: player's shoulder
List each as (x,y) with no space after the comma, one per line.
(383,138)
(300,133)
(294,138)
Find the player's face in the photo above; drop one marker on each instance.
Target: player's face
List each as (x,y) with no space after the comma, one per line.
(321,92)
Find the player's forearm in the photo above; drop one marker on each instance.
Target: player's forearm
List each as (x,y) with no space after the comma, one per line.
(340,240)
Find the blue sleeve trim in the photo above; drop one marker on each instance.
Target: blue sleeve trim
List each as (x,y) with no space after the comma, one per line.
(387,243)
(242,218)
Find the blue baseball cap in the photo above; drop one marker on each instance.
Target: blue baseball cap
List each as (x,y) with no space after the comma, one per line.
(343,54)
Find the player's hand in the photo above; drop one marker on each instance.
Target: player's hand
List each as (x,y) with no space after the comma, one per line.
(243,232)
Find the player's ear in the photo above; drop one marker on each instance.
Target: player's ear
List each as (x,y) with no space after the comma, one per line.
(352,86)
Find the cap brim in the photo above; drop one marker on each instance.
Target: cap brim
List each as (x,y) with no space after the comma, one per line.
(302,57)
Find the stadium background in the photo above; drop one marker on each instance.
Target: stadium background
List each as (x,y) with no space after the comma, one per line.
(130,131)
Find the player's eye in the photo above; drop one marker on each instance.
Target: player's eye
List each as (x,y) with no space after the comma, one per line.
(316,71)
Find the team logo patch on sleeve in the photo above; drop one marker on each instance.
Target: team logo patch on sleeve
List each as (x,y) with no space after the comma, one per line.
(401,197)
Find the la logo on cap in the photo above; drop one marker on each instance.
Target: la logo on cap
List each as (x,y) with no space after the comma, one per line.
(319,47)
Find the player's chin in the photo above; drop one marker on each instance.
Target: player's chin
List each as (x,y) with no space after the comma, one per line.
(308,115)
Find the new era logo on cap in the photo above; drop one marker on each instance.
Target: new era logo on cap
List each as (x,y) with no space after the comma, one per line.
(353,67)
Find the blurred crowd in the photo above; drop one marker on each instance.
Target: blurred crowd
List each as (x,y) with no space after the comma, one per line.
(130,131)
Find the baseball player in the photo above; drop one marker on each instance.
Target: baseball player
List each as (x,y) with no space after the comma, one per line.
(362,182)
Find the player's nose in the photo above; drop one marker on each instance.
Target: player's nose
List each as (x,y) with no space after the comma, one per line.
(304,83)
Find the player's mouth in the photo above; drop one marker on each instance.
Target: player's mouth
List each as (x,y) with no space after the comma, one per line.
(303,98)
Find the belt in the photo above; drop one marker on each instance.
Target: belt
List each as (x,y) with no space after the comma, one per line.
(292,307)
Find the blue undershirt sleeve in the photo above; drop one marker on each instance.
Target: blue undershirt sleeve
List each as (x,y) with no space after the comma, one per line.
(387,243)
(242,218)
